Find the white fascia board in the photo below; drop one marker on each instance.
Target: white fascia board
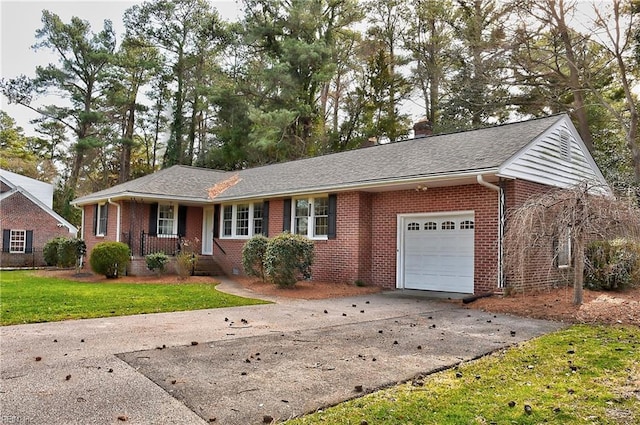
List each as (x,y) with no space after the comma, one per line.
(126,196)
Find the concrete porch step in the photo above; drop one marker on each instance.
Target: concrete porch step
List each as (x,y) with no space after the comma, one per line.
(207,266)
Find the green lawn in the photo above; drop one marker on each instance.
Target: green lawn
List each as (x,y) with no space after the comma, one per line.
(581,375)
(27,298)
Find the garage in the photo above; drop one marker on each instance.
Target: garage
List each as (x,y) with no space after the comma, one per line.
(436,252)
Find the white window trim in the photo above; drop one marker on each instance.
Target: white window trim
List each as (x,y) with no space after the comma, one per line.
(174,229)
(234,220)
(24,241)
(311,222)
(99,219)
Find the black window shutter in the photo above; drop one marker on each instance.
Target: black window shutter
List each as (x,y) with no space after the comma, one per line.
(153,220)
(182,220)
(216,221)
(286,214)
(333,208)
(265,218)
(95,219)
(29,242)
(6,239)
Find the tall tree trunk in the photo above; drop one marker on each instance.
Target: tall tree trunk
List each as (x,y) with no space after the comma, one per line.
(127,143)
(578,269)
(574,74)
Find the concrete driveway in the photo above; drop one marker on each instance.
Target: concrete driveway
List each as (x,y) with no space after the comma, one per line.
(237,365)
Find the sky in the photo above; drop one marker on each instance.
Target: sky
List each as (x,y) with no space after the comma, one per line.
(20,19)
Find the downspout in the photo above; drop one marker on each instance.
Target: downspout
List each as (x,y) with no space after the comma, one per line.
(81,229)
(117,218)
(501,217)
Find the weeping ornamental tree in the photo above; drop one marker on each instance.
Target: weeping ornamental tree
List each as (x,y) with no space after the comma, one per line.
(576,216)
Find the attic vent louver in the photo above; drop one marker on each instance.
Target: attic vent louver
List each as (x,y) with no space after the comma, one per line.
(565,145)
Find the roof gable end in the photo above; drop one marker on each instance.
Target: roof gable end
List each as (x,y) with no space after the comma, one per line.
(558,157)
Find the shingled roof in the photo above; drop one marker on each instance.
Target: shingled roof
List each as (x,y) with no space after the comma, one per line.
(443,156)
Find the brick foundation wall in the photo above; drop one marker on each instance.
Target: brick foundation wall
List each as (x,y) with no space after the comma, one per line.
(19,213)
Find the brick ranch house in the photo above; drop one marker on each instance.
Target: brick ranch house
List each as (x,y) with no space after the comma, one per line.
(27,219)
(426,213)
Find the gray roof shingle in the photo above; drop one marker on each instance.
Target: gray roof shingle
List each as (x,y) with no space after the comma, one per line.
(481,150)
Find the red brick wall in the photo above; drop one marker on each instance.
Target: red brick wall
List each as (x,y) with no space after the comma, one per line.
(135,220)
(539,271)
(365,244)
(19,213)
(481,200)
(344,259)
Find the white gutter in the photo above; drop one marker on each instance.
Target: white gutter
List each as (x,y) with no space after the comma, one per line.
(117,218)
(485,183)
(501,218)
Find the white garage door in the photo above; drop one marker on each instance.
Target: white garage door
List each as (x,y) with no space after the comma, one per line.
(437,252)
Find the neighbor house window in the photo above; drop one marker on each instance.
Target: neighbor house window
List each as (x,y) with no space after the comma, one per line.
(18,241)
(311,217)
(243,220)
(167,223)
(101,219)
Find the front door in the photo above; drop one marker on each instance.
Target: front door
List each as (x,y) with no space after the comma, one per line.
(207,231)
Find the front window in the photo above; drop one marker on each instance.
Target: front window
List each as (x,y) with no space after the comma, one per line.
(101,220)
(242,220)
(301,217)
(227,220)
(258,219)
(166,220)
(311,217)
(17,241)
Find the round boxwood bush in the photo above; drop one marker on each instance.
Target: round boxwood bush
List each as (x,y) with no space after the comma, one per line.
(287,257)
(110,258)
(253,256)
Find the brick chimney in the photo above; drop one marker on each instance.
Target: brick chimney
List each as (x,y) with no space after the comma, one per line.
(422,128)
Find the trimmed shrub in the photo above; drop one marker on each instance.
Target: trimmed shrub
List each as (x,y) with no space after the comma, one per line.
(50,251)
(157,262)
(612,265)
(64,252)
(110,258)
(69,252)
(253,256)
(287,257)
